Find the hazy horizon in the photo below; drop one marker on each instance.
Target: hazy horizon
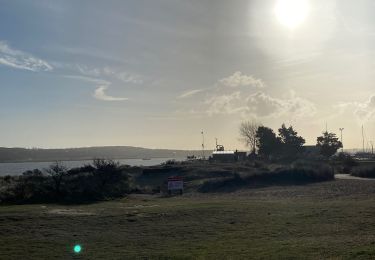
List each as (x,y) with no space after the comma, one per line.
(367,149)
(154,74)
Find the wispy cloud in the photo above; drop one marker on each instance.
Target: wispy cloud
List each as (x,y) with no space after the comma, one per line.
(241,94)
(101,95)
(190,93)
(261,104)
(21,60)
(238,79)
(363,111)
(112,73)
(129,77)
(91,53)
(224,104)
(225,85)
(88,79)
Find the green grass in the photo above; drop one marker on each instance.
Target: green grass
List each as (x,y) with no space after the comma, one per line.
(324,220)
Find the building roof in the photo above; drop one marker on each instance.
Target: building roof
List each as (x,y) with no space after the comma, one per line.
(223,152)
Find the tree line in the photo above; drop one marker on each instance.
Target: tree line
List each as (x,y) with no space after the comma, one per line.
(286,145)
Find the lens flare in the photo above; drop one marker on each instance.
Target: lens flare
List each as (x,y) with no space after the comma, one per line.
(291,13)
(77,249)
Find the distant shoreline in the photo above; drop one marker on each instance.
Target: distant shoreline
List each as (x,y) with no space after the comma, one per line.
(22,155)
(85,159)
(17,168)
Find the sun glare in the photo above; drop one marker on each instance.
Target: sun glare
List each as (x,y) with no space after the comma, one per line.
(291,13)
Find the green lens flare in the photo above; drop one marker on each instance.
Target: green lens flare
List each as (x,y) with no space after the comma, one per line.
(77,249)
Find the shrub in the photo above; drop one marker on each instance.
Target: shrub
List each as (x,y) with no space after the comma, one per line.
(347,160)
(294,174)
(104,179)
(7,178)
(222,184)
(364,172)
(170,162)
(344,162)
(304,174)
(31,186)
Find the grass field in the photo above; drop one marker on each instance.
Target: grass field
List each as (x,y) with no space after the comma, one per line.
(333,220)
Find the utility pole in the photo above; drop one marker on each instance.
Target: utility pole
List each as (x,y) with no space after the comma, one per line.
(342,148)
(203,157)
(372,147)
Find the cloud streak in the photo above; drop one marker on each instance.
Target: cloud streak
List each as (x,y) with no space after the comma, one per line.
(107,72)
(88,79)
(236,80)
(190,93)
(21,60)
(101,95)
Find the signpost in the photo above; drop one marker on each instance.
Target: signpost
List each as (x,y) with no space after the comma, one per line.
(175,183)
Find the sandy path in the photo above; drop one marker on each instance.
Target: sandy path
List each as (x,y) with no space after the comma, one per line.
(349,177)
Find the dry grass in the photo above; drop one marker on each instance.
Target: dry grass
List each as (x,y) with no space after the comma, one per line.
(323,220)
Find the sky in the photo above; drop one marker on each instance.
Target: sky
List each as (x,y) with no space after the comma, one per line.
(155,73)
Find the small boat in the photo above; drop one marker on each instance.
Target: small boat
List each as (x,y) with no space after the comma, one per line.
(146,159)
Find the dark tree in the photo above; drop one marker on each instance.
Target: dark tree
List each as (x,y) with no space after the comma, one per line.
(328,144)
(57,172)
(111,180)
(248,132)
(106,171)
(267,142)
(292,144)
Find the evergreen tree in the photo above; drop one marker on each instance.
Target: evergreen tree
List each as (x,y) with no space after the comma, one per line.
(328,144)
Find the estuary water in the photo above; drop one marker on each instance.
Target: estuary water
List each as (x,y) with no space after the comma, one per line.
(19,168)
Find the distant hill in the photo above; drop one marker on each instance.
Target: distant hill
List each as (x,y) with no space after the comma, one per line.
(88,153)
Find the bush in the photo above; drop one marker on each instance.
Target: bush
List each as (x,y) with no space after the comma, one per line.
(31,186)
(364,172)
(344,162)
(294,174)
(222,184)
(163,169)
(104,179)
(304,174)
(170,162)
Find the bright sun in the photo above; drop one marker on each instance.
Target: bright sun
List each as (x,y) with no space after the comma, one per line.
(291,13)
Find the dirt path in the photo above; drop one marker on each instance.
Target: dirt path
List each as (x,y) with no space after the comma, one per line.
(349,177)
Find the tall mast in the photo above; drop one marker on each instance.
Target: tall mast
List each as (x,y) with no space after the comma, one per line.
(202,144)
(342,148)
(363,140)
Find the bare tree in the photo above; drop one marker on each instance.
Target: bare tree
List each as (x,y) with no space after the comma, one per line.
(248,132)
(106,171)
(57,172)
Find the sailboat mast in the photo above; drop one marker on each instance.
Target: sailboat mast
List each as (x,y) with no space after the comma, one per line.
(363,140)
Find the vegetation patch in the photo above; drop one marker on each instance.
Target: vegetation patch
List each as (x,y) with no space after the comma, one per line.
(279,176)
(364,172)
(104,179)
